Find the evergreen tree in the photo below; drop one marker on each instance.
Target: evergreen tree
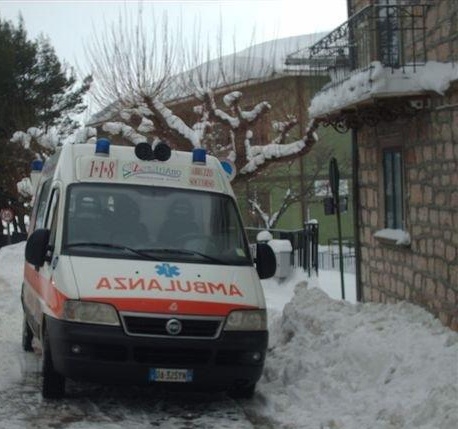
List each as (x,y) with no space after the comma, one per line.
(36,90)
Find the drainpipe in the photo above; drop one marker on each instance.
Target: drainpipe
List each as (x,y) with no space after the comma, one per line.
(355,179)
(356,213)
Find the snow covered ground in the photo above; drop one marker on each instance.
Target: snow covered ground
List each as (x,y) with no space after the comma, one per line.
(332,364)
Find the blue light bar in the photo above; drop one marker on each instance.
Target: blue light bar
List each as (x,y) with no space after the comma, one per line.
(199,156)
(37,165)
(102,147)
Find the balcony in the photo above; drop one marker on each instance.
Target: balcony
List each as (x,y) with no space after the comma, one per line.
(370,61)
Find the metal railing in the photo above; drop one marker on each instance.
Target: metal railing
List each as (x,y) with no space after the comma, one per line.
(329,256)
(394,35)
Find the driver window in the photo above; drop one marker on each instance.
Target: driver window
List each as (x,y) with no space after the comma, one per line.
(53,217)
(41,205)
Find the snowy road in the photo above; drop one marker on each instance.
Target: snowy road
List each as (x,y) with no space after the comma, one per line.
(88,406)
(331,364)
(91,406)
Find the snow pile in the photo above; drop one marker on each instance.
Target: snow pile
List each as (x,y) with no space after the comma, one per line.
(333,364)
(11,260)
(379,80)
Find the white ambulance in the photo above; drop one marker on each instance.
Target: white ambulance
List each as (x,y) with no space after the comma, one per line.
(138,271)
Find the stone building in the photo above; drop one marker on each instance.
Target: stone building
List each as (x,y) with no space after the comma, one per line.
(395,89)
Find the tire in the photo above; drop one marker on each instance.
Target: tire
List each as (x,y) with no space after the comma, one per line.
(243,392)
(53,383)
(27,336)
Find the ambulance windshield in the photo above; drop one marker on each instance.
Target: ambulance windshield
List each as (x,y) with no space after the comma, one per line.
(128,221)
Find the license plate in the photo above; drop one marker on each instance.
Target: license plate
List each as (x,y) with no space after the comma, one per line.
(171,375)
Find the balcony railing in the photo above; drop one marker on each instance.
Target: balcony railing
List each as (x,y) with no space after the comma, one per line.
(394,35)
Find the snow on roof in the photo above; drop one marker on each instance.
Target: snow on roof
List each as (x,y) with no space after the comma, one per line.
(378,80)
(256,62)
(259,61)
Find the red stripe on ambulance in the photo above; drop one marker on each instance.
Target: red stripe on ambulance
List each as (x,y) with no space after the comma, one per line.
(170,306)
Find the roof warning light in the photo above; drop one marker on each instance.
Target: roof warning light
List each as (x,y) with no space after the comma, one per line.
(199,156)
(102,147)
(37,165)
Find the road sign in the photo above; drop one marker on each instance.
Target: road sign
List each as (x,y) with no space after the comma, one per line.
(7,215)
(323,188)
(334,177)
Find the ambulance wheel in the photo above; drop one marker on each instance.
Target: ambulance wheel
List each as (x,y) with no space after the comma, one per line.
(53,383)
(243,392)
(27,336)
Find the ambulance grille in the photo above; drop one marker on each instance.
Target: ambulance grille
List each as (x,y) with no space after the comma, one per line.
(155,326)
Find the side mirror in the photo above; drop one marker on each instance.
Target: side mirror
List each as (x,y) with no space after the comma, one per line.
(266,262)
(36,247)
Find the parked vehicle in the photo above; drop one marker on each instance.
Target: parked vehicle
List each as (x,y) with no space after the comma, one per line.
(138,271)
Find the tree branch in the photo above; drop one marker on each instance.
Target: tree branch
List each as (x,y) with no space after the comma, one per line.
(166,123)
(276,153)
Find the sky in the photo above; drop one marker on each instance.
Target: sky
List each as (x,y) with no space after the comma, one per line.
(72,24)
(331,364)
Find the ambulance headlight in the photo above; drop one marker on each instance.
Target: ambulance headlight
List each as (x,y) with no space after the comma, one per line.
(246,320)
(90,312)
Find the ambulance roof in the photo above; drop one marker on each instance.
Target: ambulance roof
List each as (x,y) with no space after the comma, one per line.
(81,163)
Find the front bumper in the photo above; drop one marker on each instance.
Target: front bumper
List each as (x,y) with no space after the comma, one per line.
(106,354)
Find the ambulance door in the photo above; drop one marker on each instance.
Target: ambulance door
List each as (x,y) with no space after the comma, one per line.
(33,286)
(50,295)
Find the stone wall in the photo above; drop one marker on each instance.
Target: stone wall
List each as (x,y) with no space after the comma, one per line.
(426,272)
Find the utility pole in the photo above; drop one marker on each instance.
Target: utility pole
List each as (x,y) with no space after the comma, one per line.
(334,179)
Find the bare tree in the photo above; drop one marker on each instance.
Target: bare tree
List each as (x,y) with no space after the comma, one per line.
(287,184)
(140,80)
(129,61)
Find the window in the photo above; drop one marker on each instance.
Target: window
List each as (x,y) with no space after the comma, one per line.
(40,205)
(163,224)
(389,34)
(393,188)
(53,216)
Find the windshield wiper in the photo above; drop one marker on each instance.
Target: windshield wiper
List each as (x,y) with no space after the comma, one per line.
(186,252)
(115,246)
